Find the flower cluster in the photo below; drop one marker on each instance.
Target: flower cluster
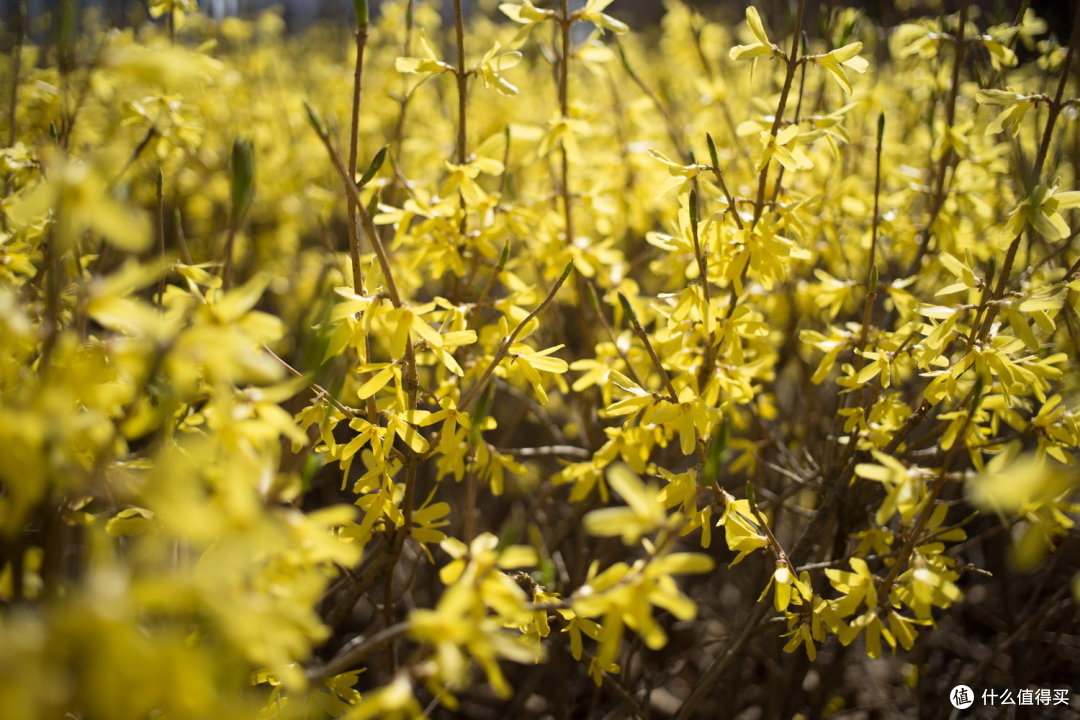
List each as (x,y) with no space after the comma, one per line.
(318,403)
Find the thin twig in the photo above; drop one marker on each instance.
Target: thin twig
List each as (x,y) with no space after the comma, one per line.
(354,132)
(504,346)
(720,665)
(352,190)
(461,75)
(318,389)
(355,652)
(161,232)
(565,21)
(673,396)
(1055,108)
(778,120)
(947,158)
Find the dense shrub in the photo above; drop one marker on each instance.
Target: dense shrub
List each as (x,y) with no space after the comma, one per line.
(411,370)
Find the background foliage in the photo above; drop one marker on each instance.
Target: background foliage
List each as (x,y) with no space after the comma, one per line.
(532,366)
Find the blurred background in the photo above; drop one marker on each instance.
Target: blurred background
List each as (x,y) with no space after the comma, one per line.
(639,13)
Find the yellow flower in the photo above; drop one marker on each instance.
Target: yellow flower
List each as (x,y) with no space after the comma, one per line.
(784,581)
(857,588)
(593,12)
(762,47)
(178,8)
(528,15)
(426,63)
(1042,211)
(642,514)
(836,60)
(530,362)
(78,197)
(741,530)
(491,67)
(1009,119)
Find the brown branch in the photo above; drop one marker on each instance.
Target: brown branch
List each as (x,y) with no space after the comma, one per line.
(355,652)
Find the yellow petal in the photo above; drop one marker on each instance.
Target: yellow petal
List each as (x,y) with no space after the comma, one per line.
(375,383)
(753,21)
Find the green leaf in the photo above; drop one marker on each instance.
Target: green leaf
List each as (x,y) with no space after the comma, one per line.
(712,151)
(751,496)
(628,309)
(375,166)
(243,175)
(315,120)
(714,453)
(481,411)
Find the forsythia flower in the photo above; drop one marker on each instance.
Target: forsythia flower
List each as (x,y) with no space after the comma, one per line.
(836,60)
(763,46)
(593,12)
(644,512)
(741,530)
(1042,211)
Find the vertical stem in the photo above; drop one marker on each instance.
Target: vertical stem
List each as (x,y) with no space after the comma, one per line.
(709,359)
(763,176)
(702,263)
(462,77)
(719,175)
(352,201)
(13,105)
(948,157)
(185,251)
(230,242)
(368,224)
(635,324)
(411,463)
(403,103)
(564,108)
(354,134)
(594,303)
(54,285)
(469,513)
(798,114)
(789,76)
(1056,106)
(20,36)
(1040,160)
(53,544)
(871,260)
(412,385)
(699,252)
(866,395)
(161,232)
(17,569)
